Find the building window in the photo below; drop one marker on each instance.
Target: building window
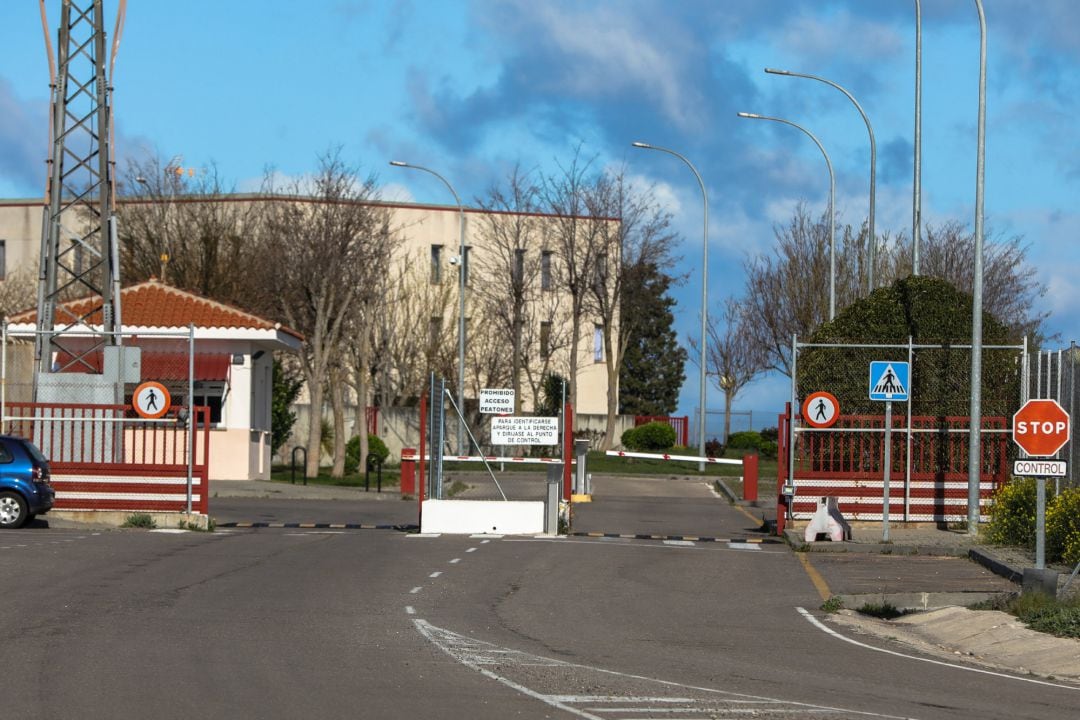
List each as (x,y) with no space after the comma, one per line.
(210,394)
(601,270)
(545,270)
(519,266)
(3,259)
(598,343)
(436,264)
(545,340)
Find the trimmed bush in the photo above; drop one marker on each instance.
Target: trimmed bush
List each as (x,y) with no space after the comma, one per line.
(649,437)
(352,452)
(1012,516)
(1063,527)
(714,448)
(746,440)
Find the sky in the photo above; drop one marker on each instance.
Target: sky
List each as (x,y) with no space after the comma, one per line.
(472,88)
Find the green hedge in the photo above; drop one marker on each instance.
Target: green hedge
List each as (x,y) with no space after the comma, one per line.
(352,452)
(649,437)
(1012,520)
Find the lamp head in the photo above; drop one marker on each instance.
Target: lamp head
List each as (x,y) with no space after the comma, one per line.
(647,146)
(749,115)
(399,163)
(774,71)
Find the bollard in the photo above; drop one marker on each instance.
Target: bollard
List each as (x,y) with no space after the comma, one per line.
(304,451)
(551,501)
(750,477)
(408,471)
(373,461)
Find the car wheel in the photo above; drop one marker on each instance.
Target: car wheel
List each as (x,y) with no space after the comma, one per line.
(13,512)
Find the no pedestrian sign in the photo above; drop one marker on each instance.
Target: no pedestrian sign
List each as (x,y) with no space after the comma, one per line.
(496,401)
(524,431)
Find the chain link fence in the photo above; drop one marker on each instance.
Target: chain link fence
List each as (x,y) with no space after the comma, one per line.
(1054,374)
(929,440)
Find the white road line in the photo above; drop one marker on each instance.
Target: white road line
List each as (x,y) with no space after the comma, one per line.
(824,628)
(455,561)
(744,546)
(485,542)
(423,535)
(410,610)
(683,543)
(593,541)
(415,590)
(435,574)
(479,656)
(472,549)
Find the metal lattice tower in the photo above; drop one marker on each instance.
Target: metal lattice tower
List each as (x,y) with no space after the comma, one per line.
(79,250)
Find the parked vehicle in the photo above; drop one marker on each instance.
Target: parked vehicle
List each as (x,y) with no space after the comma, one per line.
(25,491)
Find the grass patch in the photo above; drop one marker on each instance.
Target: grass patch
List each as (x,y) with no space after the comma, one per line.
(1039,612)
(883,610)
(833,604)
(140,520)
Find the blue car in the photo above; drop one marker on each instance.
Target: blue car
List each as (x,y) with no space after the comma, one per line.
(25,491)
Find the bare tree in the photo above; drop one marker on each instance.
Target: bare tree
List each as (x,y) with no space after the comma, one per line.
(320,234)
(509,268)
(188,231)
(633,233)
(732,362)
(573,236)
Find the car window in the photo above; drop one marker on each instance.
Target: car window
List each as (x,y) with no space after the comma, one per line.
(5,453)
(32,451)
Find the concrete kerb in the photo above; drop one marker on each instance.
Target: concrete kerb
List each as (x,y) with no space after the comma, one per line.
(117,518)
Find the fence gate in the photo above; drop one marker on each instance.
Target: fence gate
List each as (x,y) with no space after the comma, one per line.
(928,473)
(105,455)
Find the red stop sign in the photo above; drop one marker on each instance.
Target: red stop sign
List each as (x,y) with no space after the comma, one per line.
(1041,427)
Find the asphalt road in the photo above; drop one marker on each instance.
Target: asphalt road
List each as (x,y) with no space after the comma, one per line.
(288,623)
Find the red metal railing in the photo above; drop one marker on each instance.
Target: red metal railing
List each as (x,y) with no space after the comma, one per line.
(681,425)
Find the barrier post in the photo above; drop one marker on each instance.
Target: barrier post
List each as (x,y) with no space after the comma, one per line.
(750,477)
(408,471)
(568,447)
(422,480)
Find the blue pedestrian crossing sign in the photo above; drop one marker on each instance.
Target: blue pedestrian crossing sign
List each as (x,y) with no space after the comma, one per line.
(889,380)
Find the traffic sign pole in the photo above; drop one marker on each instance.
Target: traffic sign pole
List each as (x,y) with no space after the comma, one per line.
(888,467)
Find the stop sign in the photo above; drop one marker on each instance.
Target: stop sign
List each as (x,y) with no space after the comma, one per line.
(1041,427)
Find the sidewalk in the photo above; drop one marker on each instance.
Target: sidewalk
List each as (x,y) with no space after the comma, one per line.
(299,491)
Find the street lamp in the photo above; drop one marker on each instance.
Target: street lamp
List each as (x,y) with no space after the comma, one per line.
(832,198)
(704,294)
(461,300)
(975,435)
(916,192)
(873,164)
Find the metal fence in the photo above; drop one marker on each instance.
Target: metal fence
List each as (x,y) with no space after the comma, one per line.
(105,452)
(1053,374)
(928,473)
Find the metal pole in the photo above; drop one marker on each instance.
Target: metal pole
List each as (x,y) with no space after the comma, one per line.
(916,201)
(832,198)
(704,294)
(975,444)
(873,164)
(191,414)
(888,467)
(461,298)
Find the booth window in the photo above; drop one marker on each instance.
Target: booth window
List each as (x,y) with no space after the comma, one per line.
(210,393)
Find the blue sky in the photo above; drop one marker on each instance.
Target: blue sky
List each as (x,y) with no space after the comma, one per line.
(472,88)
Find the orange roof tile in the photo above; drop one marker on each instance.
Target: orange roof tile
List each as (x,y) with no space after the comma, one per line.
(155,304)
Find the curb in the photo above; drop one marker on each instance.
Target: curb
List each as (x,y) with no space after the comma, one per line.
(691,538)
(316,526)
(995,566)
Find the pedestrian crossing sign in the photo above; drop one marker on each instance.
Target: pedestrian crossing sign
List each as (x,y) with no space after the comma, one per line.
(889,380)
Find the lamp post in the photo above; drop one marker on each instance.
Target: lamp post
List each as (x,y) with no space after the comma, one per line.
(832,210)
(916,192)
(461,299)
(704,293)
(975,435)
(871,251)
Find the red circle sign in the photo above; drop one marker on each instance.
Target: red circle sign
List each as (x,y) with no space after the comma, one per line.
(151,400)
(820,409)
(1041,427)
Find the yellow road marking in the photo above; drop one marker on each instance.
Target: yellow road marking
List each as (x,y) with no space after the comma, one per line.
(744,511)
(815,576)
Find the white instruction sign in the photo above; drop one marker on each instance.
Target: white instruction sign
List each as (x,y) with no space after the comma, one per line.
(494,401)
(524,431)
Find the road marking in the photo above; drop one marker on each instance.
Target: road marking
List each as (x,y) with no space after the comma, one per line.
(410,610)
(815,577)
(609,544)
(826,629)
(485,658)
(455,561)
(472,549)
(424,535)
(485,542)
(744,546)
(415,590)
(682,543)
(435,574)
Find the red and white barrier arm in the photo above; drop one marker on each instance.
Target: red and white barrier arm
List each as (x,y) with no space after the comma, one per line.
(685,458)
(491,459)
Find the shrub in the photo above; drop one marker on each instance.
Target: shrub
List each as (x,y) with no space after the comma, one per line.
(1063,527)
(746,440)
(714,448)
(140,520)
(772,434)
(649,437)
(768,449)
(352,452)
(1012,516)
